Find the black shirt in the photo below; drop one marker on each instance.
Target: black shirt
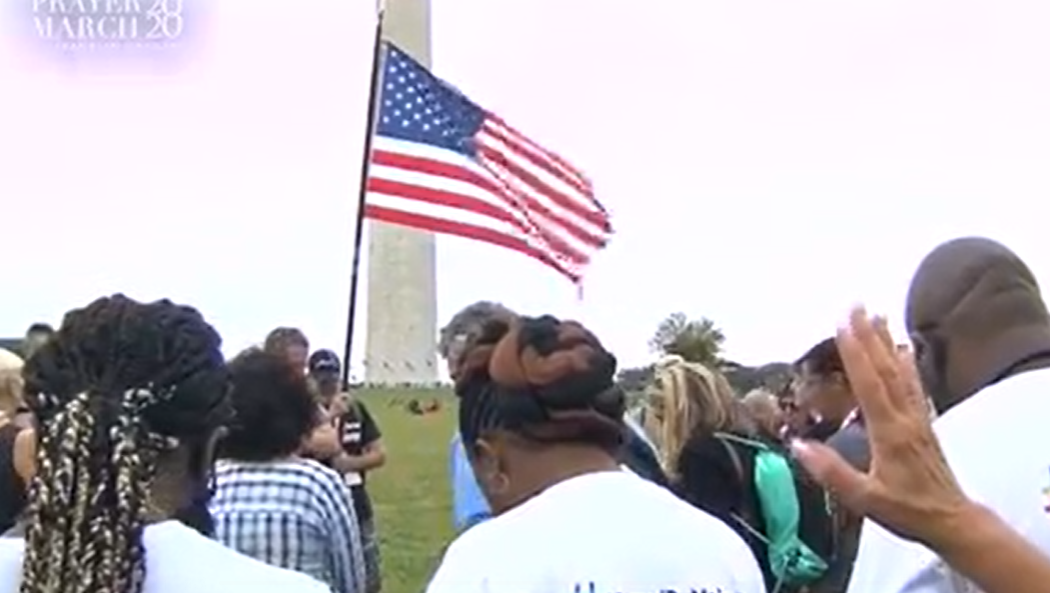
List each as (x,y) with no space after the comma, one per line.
(357,430)
(710,480)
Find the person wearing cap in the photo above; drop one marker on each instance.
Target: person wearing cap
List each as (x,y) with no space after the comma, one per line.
(361,449)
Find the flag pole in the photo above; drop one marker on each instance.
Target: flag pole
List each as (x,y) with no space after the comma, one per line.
(366,160)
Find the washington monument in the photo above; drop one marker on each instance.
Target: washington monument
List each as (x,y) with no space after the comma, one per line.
(400,346)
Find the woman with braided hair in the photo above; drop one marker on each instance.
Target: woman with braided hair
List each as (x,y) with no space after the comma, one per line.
(541,418)
(131,399)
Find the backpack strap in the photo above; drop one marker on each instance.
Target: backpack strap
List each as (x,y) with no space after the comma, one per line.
(747,517)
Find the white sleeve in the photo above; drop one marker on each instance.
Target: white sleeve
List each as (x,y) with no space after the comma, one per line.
(888,564)
(458,573)
(746,574)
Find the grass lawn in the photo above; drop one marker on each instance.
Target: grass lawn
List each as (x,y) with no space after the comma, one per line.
(411,494)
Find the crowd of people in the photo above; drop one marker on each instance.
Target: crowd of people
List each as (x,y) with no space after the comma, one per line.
(135,458)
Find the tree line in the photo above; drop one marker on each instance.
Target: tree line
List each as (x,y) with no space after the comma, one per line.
(701,341)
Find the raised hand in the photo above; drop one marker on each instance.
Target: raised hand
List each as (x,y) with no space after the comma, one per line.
(909,488)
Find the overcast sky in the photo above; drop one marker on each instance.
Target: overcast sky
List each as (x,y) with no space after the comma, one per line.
(767,163)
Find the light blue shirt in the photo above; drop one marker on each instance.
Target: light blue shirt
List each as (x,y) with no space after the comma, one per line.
(468,503)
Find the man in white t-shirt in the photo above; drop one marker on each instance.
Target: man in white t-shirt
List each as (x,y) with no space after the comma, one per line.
(982,339)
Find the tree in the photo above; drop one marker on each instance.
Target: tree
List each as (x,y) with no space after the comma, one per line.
(772,376)
(634,380)
(695,340)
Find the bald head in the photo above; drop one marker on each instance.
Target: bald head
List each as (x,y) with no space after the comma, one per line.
(973,286)
(976,303)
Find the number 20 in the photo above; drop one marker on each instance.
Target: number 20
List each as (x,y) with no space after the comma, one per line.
(165,19)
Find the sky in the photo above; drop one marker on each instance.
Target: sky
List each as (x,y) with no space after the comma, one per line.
(767,164)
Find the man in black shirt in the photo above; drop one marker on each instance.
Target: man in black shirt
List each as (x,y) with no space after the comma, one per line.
(362,450)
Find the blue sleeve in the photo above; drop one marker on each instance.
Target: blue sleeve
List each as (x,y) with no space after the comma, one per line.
(468,503)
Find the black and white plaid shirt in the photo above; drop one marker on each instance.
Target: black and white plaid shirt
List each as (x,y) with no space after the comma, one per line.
(297,514)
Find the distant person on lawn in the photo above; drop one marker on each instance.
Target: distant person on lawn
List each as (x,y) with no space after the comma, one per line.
(362,450)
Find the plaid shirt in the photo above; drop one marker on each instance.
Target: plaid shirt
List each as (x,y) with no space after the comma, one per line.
(296,514)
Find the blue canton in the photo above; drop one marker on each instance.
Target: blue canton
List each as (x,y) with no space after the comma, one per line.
(418,107)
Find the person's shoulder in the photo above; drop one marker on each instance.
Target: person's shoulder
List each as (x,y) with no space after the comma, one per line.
(1005,415)
(726,555)
(1026,389)
(721,450)
(886,563)
(466,559)
(11,550)
(300,471)
(668,509)
(704,446)
(180,559)
(852,444)
(259,577)
(319,473)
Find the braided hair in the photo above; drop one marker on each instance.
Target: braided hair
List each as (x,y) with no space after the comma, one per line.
(121,384)
(540,378)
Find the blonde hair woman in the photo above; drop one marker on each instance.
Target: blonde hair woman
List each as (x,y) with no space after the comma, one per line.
(691,410)
(688,401)
(17,443)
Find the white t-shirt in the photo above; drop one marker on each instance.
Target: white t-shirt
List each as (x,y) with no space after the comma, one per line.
(178,559)
(600,532)
(998,444)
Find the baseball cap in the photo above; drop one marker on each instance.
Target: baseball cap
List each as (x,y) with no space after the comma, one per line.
(324,361)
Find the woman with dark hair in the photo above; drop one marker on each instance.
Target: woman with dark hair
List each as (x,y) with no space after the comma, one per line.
(270,503)
(131,401)
(541,418)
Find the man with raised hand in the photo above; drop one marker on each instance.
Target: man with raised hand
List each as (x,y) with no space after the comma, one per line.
(981,334)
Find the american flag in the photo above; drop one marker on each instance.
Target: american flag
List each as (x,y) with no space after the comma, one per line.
(442,163)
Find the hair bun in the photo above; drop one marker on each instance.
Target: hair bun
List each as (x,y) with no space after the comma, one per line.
(560,363)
